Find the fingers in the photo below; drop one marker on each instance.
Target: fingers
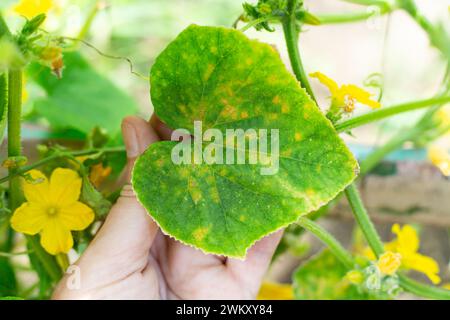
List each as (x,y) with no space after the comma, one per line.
(122,245)
(164,132)
(252,269)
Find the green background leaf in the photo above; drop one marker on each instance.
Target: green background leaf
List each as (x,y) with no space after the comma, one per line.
(219,76)
(83,99)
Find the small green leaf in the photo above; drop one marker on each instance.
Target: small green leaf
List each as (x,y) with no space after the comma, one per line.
(227,81)
(83,99)
(323,278)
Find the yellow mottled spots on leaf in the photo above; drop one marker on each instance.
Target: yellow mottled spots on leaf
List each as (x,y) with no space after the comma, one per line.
(286,153)
(319,167)
(183,172)
(298,136)
(159,163)
(276,99)
(215,195)
(244,115)
(213,49)
(310,193)
(223,172)
(182,108)
(200,233)
(285,108)
(249,61)
(273,78)
(306,115)
(209,70)
(229,111)
(225,90)
(194,191)
(242,218)
(210,179)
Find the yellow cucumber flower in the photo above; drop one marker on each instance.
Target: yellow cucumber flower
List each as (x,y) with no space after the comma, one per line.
(406,245)
(389,262)
(52,209)
(347,95)
(31,8)
(440,158)
(275,291)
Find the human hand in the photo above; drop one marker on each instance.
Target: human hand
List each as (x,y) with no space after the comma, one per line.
(130,258)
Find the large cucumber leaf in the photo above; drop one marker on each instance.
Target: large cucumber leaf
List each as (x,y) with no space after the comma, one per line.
(220,77)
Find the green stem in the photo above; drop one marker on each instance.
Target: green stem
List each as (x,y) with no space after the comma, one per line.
(58,155)
(335,247)
(348,17)
(388,112)
(364,222)
(291,37)
(14,150)
(423,290)
(14,142)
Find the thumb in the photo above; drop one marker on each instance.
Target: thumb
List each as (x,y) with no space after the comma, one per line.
(122,245)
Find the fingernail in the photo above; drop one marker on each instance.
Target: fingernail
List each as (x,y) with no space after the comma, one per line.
(130,139)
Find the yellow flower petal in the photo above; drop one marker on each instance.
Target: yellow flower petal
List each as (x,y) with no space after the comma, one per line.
(275,291)
(36,191)
(389,262)
(369,254)
(360,95)
(440,158)
(77,216)
(56,238)
(65,186)
(328,82)
(31,8)
(407,240)
(29,218)
(423,264)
